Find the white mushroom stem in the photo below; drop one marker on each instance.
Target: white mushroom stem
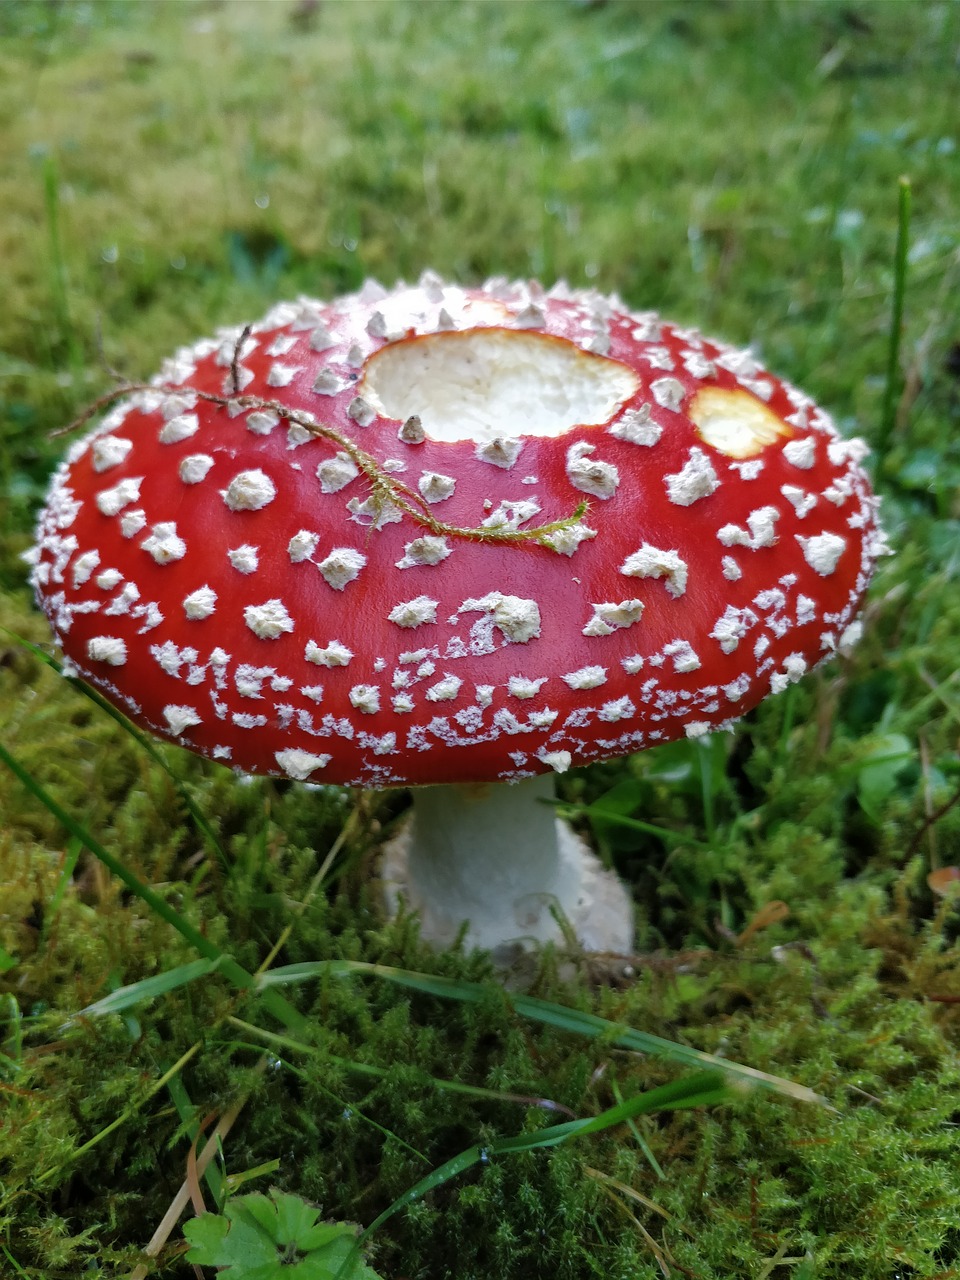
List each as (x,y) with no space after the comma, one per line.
(498,857)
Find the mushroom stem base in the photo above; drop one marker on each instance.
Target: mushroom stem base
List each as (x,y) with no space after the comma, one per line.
(492,855)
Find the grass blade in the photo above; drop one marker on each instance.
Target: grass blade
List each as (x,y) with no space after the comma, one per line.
(125,1115)
(703,1088)
(234,972)
(149,988)
(142,739)
(888,417)
(545,1012)
(281,1042)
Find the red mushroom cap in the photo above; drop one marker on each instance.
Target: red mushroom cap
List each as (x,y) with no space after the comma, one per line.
(271,554)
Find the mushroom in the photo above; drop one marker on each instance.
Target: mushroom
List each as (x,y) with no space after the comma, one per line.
(451,539)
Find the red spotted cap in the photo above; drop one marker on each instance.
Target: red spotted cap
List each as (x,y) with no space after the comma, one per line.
(448,534)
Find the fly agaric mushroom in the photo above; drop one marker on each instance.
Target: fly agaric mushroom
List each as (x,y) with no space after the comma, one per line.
(457,536)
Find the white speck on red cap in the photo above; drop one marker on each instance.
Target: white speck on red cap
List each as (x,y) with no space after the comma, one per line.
(618,709)
(180,718)
(361,411)
(366,698)
(730,629)
(244,559)
(124,601)
(698,366)
(179,428)
(131,522)
(801,500)
(522,687)
(427,550)
(268,621)
(806,610)
(659,358)
(566,541)
(342,566)
(249,491)
(334,654)
(328,384)
(194,467)
(668,392)
(242,380)
(511,514)
(516,618)
(377,325)
(637,427)
(684,657)
(654,562)
(302,545)
(109,649)
(735,690)
(83,567)
(559,761)
(854,450)
(109,451)
(200,604)
(609,616)
(531,317)
(761,525)
(501,451)
(697,728)
(444,690)
(375,511)
(336,473)
(695,480)
(747,468)
(164,544)
(112,501)
(321,339)
(586,677)
(299,764)
(246,720)
(412,432)
(801,453)
(850,637)
(414,613)
(823,551)
(435,487)
(590,475)
(231,348)
(262,421)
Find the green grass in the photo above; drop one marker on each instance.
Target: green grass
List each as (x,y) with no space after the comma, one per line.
(165,169)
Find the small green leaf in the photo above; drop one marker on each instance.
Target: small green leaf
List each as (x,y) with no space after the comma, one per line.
(877,778)
(275,1237)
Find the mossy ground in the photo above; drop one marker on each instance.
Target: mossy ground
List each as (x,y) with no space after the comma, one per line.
(165,168)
